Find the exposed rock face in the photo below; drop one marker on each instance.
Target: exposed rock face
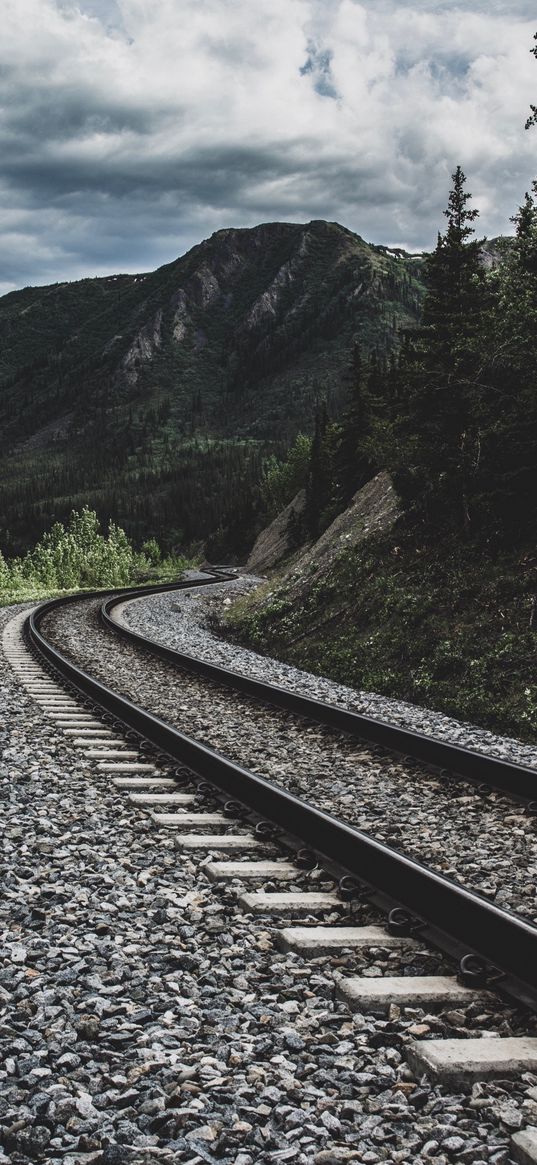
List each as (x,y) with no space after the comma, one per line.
(253,313)
(180,317)
(147,341)
(374,508)
(495,251)
(277,541)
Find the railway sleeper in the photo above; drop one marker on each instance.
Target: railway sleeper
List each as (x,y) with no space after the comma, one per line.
(453,1062)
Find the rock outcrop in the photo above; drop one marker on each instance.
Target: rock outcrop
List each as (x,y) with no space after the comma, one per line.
(218,356)
(277,541)
(374,508)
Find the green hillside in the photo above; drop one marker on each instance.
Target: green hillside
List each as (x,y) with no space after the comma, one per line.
(432,598)
(155,397)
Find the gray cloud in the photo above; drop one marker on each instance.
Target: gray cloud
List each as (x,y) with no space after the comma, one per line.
(319,66)
(130,131)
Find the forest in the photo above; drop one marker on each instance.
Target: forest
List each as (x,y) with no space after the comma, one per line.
(442,610)
(454,417)
(451,413)
(157,400)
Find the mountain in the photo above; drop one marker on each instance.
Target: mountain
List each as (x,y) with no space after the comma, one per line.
(155,397)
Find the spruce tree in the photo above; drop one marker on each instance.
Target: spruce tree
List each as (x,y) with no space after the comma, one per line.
(440,380)
(349,462)
(317,483)
(508,465)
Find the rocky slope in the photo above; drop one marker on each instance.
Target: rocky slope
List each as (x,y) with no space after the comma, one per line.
(381,607)
(373,510)
(276,542)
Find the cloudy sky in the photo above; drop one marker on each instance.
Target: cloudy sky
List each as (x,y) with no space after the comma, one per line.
(131,129)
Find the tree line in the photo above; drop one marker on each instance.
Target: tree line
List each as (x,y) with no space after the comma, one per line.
(79,555)
(454,418)
(452,414)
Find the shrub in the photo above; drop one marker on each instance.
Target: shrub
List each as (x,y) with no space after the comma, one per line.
(80,556)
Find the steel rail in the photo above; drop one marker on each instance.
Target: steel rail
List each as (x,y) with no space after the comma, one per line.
(460,919)
(516,780)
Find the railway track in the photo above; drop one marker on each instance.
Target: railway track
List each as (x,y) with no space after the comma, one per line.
(339,876)
(487,772)
(456,915)
(404,806)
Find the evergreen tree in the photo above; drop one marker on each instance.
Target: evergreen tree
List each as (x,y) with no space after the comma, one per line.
(317,488)
(440,381)
(508,465)
(351,467)
(282,480)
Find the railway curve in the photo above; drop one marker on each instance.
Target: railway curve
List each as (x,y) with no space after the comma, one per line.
(455,918)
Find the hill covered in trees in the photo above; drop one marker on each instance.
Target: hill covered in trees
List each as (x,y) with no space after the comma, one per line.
(156,398)
(441,607)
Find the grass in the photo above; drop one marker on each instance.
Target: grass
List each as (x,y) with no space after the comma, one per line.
(445,627)
(36,593)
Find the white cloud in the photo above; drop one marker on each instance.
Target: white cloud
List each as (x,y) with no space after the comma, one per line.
(129,129)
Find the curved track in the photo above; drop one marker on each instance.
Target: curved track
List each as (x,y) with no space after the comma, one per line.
(516,780)
(451,916)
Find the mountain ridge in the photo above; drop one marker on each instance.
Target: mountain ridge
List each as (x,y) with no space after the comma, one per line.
(108,384)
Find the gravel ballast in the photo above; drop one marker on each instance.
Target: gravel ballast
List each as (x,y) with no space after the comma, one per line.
(445,823)
(145,1018)
(182,621)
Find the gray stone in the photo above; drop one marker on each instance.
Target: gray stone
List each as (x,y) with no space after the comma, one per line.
(213,842)
(126,767)
(320,940)
(161,798)
(524,1146)
(255,871)
(182,820)
(291,903)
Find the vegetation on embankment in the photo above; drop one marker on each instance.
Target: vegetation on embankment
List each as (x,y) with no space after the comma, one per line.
(442,610)
(81,557)
(441,625)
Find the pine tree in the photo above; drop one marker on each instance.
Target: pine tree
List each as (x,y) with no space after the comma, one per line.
(440,374)
(525,251)
(350,466)
(508,466)
(317,485)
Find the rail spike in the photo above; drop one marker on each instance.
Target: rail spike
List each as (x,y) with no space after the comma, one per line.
(306,859)
(234,809)
(349,888)
(477,972)
(266,829)
(402,923)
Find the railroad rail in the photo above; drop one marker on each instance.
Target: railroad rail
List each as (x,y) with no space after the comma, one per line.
(492,945)
(487,772)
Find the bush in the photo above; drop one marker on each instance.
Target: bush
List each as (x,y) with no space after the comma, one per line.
(80,556)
